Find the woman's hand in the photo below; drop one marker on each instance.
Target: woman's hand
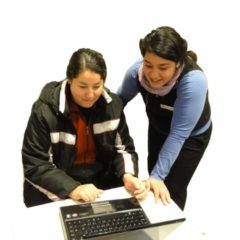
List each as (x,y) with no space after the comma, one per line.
(159,190)
(135,186)
(85,192)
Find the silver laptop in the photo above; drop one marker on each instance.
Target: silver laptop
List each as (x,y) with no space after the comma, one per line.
(116,219)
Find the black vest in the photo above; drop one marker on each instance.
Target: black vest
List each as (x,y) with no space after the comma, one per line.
(159,109)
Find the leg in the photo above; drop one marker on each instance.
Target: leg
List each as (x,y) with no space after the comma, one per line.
(185,166)
(155,142)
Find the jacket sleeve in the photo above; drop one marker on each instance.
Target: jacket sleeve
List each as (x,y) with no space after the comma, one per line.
(126,160)
(39,169)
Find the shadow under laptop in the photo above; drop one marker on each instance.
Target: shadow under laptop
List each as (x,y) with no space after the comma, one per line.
(151,233)
(131,235)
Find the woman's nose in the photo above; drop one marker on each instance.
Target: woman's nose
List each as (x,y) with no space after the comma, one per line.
(154,74)
(90,93)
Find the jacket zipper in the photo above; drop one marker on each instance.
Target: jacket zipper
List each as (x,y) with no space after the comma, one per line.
(87,136)
(86,150)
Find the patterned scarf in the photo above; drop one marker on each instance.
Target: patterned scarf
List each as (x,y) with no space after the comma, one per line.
(163,90)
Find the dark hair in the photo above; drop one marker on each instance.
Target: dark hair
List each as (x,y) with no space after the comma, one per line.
(86,59)
(167,43)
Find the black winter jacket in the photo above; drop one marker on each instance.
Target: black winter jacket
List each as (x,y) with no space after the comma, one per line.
(49,147)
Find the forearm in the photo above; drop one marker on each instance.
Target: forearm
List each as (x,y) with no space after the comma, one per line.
(43,174)
(167,156)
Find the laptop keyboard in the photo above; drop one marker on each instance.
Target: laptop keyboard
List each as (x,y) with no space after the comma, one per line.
(106,224)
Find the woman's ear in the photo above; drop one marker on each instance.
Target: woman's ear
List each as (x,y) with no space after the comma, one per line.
(69,81)
(178,65)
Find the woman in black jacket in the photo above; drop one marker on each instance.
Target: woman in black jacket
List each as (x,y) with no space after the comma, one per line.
(77,141)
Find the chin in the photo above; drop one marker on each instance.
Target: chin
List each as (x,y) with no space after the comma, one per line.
(156,86)
(88,105)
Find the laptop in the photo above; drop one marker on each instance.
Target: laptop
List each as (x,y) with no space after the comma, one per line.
(113,219)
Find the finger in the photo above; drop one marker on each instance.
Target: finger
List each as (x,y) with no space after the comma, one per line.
(156,194)
(85,197)
(90,194)
(92,197)
(141,191)
(98,194)
(165,198)
(137,184)
(147,185)
(168,197)
(141,195)
(100,191)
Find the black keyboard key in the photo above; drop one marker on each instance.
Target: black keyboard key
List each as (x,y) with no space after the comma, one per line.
(102,225)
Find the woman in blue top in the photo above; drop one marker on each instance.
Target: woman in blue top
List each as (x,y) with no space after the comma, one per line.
(175,92)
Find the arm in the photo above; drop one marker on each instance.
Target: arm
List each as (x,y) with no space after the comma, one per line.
(191,95)
(37,158)
(129,87)
(126,162)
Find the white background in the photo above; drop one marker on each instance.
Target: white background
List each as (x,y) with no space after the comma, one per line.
(37,39)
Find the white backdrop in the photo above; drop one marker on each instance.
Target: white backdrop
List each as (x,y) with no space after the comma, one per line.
(37,40)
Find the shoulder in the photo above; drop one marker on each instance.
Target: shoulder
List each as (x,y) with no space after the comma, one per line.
(194,79)
(133,69)
(193,85)
(50,89)
(49,96)
(112,99)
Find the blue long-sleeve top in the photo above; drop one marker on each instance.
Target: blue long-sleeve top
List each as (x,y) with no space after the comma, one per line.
(188,106)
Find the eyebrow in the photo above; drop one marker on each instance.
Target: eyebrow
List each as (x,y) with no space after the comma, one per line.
(146,61)
(161,65)
(95,84)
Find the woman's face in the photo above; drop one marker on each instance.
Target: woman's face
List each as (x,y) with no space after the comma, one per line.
(158,71)
(86,88)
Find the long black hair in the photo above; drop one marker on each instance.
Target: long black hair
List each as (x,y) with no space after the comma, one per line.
(167,43)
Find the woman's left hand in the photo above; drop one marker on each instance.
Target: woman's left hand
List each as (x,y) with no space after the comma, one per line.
(159,190)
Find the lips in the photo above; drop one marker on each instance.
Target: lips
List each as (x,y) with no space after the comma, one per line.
(88,101)
(155,81)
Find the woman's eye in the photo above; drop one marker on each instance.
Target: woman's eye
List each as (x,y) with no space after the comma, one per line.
(163,68)
(148,66)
